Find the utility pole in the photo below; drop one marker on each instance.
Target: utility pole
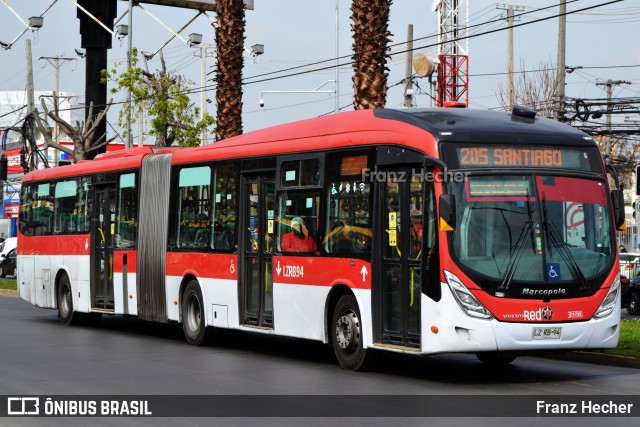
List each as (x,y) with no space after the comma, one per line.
(511,93)
(203,89)
(129,141)
(561,69)
(337,100)
(141,128)
(55,61)
(609,84)
(30,103)
(203,86)
(408,81)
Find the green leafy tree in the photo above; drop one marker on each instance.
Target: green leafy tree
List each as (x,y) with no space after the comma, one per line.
(164,97)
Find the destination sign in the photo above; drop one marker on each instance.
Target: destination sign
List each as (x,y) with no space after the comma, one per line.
(506,187)
(522,157)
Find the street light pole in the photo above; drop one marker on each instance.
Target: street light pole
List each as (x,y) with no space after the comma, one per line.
(337,100)
(129,142)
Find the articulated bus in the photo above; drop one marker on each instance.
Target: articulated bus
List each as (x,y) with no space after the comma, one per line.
(420,231)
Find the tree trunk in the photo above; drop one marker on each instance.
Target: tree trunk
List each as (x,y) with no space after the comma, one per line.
(370,40)
(230,61)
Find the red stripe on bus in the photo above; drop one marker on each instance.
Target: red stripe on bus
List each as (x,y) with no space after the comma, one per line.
(69,244)
(219,266)
(118,261)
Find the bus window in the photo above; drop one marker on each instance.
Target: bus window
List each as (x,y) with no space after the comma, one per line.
(126,215)
(348,226)
(298,221)
(41,210)
(223,236)
(300,173)
(82,211)
(26,199)
(194,206)
(64,207)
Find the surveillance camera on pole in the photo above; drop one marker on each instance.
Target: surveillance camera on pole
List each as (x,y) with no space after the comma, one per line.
(261,102)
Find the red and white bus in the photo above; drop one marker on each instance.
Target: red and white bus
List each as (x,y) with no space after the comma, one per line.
(418,231)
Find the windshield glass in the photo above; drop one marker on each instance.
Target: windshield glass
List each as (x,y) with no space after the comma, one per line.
(532,229)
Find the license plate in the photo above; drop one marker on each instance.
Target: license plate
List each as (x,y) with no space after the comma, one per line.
(547,333)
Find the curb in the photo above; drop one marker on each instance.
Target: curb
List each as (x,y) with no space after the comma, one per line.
(8,293)
(600,358)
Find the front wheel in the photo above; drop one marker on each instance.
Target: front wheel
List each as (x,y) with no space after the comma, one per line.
(634,303)
(346,327)
(193,316)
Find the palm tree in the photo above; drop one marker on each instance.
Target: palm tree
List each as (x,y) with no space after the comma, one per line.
(229,50)
(370,39)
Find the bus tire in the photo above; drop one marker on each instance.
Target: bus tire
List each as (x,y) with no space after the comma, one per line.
(346,333)
(65,302)
(193,316)
(495,359)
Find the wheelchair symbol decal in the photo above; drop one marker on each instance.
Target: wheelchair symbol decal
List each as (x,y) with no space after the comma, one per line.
(553,271)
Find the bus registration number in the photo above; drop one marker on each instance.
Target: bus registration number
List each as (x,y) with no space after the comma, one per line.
(547,333)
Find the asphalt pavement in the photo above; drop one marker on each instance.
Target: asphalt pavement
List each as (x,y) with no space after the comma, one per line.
(596,357)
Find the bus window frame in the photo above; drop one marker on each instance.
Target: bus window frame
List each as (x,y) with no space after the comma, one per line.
(173,205)
(136,174)
(320,156)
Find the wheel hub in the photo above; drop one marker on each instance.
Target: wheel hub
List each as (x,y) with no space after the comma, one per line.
(348,331)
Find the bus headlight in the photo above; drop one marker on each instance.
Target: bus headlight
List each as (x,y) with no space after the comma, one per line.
(609,303)
(465,298)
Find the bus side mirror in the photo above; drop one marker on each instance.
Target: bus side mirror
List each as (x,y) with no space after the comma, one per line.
(617,201)
(447,212)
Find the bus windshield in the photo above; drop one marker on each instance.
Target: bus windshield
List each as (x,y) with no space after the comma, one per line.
(532,229)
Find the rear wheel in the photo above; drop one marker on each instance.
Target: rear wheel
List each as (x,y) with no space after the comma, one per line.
(495,359)
(634,303)
(193,316)
(346,329)
(65,302)
(66,312)
(2,273)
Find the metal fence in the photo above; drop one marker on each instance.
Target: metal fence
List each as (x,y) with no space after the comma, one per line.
(630,238)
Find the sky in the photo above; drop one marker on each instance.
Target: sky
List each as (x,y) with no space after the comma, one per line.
(603,41)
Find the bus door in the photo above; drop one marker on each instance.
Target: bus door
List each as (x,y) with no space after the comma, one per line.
(399,286)
(258,226)
(103,232)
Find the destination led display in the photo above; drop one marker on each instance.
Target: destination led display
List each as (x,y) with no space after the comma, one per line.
(522,157)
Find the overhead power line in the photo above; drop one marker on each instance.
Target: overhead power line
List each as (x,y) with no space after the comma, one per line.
(213,86)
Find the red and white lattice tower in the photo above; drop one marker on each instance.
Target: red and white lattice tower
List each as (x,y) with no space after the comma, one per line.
(453,69)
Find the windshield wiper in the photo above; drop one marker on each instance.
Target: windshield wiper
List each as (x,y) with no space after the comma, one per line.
(517,253)
(554,237)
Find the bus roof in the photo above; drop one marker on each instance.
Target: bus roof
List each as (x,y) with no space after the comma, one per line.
(353,128)
(470,125)
(417,128)
(105,162)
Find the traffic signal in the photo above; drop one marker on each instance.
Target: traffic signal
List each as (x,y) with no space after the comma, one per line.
(637,181)
(634,209)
